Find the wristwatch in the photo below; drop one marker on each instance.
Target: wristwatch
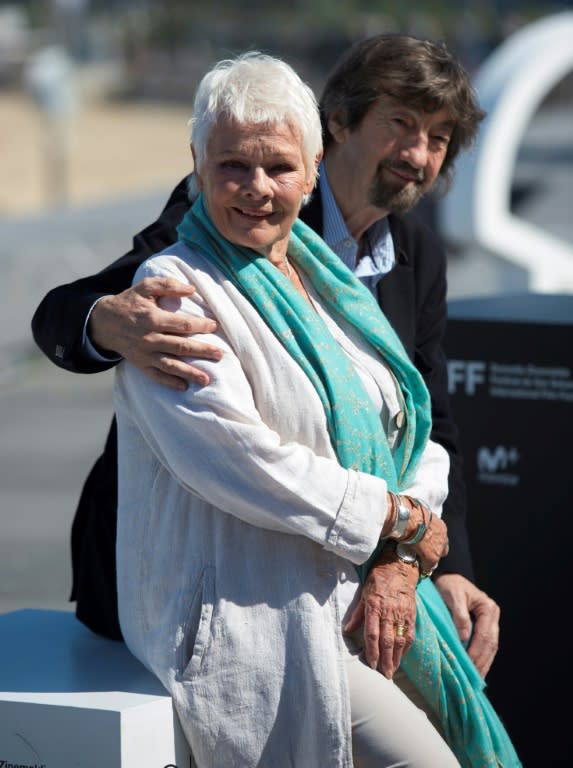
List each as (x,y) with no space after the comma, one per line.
(402,518)
(405,554)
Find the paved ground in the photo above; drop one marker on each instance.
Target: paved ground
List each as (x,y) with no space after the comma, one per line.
(52,423)
(52,426)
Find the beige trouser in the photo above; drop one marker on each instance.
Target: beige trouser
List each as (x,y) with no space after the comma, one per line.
(388,729)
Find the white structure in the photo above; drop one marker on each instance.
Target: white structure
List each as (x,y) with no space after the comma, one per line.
(511,84)
(70,698)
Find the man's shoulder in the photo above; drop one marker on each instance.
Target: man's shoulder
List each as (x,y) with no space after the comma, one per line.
(179,201)
(413,223)
(162,232)
(415,236)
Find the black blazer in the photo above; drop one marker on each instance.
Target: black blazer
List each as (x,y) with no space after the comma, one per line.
(413,297)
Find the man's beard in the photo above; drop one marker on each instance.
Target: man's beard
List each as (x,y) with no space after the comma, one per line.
(386,196)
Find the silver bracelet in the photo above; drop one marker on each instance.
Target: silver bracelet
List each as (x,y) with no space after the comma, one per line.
(402,517)
(423,526)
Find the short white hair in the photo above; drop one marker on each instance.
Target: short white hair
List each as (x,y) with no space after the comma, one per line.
(259,89)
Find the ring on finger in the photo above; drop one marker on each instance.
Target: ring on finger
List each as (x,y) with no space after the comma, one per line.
(427,574)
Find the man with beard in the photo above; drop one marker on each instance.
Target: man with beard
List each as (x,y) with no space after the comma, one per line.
(396,112)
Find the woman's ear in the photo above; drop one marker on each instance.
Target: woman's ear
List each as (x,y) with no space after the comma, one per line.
(196,173)
(311,182)
(309,185)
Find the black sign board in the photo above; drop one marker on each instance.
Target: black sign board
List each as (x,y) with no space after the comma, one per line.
(510,364)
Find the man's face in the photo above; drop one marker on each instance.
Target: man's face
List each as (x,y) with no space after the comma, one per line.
(394,156)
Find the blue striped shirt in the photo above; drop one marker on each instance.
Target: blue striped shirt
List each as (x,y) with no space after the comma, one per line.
(379,255)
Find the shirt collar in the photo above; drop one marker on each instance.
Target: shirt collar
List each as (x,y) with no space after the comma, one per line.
(380,256)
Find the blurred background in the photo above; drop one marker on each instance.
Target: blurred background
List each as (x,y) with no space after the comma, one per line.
(95,97)
(94,101)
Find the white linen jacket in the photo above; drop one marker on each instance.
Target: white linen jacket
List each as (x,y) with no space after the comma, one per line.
(237,534)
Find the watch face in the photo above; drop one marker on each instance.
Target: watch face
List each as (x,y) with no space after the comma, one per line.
(405,554)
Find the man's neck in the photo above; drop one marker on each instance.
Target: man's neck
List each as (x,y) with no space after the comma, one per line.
(358,214)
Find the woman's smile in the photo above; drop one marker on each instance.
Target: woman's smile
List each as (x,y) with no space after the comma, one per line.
(250,213)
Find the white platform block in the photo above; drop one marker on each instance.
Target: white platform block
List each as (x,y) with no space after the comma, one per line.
(71,699)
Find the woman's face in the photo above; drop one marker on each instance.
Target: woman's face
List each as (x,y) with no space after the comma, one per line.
(253,179)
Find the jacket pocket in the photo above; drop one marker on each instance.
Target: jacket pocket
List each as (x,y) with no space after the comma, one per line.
(197,629)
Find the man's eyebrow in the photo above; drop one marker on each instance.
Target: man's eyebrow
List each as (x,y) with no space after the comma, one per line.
(446,125)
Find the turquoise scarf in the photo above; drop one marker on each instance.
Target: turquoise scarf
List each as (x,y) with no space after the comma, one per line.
(437,662)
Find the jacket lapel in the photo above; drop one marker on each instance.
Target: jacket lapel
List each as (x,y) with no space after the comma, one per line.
(396,291)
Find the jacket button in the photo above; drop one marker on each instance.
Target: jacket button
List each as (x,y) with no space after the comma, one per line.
(400,419)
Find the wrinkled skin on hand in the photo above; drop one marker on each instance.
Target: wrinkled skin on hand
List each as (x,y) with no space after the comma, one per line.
(157,341)
(387,599)
(434,545)
(470,605)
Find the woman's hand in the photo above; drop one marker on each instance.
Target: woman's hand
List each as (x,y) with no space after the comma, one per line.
(387,608)
(133,325)
(419,524)
(434,543)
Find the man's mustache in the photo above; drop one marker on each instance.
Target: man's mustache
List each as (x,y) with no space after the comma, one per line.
(416,174)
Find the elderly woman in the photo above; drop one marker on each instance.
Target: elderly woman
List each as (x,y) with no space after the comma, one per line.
(250,510)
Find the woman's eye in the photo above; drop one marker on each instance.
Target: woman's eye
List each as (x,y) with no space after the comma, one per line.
(232,164)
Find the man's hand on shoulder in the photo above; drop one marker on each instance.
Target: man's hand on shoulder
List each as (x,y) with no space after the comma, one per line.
(132,325)
(471,606)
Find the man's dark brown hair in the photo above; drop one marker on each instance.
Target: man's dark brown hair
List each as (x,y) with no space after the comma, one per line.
(419,74)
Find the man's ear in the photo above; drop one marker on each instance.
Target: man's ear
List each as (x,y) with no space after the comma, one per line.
(336,124)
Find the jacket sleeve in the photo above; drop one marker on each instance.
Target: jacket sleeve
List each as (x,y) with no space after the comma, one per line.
(59,320)
(428,261)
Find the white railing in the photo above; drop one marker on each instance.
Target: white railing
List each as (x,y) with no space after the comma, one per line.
(511,84)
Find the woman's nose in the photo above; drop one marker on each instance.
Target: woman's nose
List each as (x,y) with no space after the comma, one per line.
(258,183)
